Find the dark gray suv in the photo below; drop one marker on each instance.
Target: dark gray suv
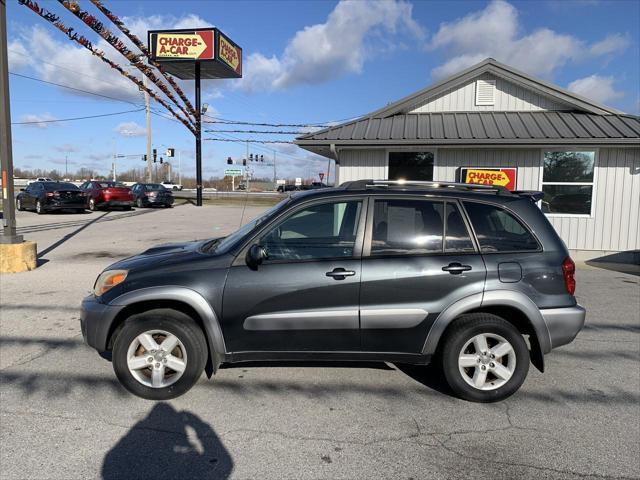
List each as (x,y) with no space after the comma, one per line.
(471,277)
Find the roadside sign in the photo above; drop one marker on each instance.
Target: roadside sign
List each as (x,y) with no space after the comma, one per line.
(232,172)
(298,182)
(179,50)
(281,182)
(502,176)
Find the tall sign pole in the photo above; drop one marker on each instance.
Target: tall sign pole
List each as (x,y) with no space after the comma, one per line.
(9,234)
(198,138)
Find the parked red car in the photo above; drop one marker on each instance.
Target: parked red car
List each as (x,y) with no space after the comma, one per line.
(105,194)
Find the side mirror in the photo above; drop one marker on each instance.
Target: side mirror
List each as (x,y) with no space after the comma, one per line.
(255,256)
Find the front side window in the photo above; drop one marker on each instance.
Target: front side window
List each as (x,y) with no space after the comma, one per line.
(567,182)
(326,230)
(498,230)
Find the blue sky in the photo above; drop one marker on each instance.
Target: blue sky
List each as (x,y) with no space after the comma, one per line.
(304,62)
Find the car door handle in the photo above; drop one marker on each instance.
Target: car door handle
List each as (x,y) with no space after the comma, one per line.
(456,268)
(340,273)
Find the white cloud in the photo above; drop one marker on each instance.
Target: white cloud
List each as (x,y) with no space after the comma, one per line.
(34,119)
(596,87)
(67,147)
(496,32)
(130,129)
(337,47)
(80,69)
(610,44)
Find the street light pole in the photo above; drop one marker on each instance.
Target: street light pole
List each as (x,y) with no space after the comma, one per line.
(198,138)
(147,107)
(9,234)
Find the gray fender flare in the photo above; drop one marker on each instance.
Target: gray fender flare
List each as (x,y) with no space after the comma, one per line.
(508,298)
(190,297)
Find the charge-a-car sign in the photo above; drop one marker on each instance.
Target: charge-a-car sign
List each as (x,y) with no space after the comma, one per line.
(230,54)
(207,51)
(503,177)
(196,46)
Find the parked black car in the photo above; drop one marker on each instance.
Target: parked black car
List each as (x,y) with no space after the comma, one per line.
(375,270)
(48,196)
(152,194)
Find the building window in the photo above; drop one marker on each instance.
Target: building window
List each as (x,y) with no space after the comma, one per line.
(411,166)
(567,182)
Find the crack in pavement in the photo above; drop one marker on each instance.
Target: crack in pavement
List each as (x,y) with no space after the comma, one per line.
(413,437)
(36,355)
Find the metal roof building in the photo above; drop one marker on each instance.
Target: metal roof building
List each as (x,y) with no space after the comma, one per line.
(584,156)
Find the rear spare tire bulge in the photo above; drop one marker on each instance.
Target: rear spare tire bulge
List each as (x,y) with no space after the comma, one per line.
(159,354)
(484,358)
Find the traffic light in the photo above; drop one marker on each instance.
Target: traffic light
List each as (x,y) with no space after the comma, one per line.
(229,161)
(144,157)
(244,162)
(161,160)
(155,155)
(251,157)
(171,152)
(262,158)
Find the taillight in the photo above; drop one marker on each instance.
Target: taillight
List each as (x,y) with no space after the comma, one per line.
(50,194)
(568,272)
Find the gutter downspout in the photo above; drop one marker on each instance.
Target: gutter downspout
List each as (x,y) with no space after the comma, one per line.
(334,153)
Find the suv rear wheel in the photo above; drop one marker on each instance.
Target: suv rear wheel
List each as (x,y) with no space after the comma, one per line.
(159,354)
(484,358)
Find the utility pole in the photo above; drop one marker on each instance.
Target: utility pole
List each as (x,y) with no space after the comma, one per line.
(179,167)
(198,138)
(275,178)
(147,107)
(66,166)
(246,168)
(9,234)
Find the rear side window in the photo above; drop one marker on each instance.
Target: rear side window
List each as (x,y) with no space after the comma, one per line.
(498,230)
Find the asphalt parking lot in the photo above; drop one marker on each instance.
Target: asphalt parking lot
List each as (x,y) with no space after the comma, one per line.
(63,414)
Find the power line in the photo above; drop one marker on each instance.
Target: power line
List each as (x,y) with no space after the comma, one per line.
(73,88)
(77,118)
(248,141)
(257,124)
(277,132)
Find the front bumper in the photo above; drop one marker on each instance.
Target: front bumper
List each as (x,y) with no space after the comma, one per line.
(96,320)
(563,323)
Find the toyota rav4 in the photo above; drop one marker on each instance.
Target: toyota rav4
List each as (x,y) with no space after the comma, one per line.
(471,277)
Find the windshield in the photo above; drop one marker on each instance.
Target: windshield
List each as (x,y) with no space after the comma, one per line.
(227,242)
(51,186)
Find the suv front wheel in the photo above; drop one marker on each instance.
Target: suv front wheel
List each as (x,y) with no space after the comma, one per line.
(484,358)
(159,354)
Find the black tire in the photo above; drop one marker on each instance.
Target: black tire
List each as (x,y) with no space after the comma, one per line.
(39,208)
(176,323)
(464,329)
(19,206)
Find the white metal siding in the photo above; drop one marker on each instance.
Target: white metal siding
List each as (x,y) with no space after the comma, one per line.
(361,164)
(508,97)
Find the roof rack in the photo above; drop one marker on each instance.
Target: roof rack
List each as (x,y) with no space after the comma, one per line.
(365,184)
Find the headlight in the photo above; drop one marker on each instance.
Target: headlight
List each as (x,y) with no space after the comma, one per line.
(107,280)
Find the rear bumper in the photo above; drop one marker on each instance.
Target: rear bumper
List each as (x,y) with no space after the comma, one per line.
(563,323)
(95,322)
(57,205)
(116,203)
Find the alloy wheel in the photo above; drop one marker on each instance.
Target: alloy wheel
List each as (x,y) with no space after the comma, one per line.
(92,205)
(38,207)
(156,358)
(487,361)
